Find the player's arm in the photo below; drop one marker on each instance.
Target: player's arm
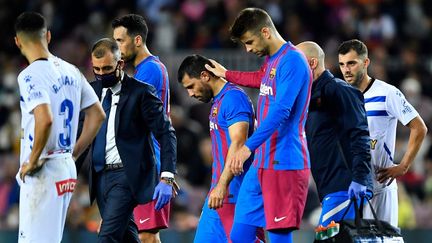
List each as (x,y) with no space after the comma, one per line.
(43,122)
(94,117)
(289,84)
(399,107)
(238,133)
(418,132)
(247,79)
(351,110)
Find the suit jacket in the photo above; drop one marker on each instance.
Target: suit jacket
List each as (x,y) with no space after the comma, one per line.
(338,136)
(139,113)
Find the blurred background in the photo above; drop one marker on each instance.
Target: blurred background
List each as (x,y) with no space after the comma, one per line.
(397,33)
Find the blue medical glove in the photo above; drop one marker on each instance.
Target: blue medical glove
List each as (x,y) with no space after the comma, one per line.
(163,193)
(357,190)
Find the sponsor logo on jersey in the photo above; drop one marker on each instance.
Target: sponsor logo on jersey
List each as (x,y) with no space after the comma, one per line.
(265,90)
(272,73)
(65,186)
(373,143)
(213,126)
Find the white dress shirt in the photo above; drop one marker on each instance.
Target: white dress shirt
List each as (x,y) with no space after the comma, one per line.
(112,155)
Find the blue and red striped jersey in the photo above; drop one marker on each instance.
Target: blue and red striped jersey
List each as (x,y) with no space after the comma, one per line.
(230,105)
(152,71)
(280,141)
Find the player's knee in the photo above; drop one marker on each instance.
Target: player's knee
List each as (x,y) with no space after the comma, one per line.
(236,236)
(148,237)
(243,233)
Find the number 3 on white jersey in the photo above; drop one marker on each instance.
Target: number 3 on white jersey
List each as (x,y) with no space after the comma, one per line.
(66,110)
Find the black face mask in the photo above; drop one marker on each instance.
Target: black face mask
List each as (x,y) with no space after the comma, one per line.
(108,79)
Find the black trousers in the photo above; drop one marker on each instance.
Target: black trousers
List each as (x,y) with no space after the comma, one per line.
(116,204)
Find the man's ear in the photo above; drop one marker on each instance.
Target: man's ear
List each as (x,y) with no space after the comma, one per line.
(366,62)
(205,76)
(48,36)
(266,32)
(138,40)
(121,64)
(17,42)
(313,63)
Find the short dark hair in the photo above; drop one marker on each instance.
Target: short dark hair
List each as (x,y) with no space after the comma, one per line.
(31,24)
(134,23)
(103,45)
(250,19)
(355,45)
(193,65)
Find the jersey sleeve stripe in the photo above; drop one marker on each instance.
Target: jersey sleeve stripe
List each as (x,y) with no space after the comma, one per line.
(377,113)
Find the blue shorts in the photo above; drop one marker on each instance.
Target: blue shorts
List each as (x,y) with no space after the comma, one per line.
(215,225)
(334,206)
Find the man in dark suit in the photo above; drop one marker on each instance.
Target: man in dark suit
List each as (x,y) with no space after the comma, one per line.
(122,170)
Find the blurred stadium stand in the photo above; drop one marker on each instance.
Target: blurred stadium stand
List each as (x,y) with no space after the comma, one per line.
(397,32)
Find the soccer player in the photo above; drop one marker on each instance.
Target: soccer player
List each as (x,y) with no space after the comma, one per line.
(130,32)
(385,105)
(231,123)
(52,94)
(277,182)
(338,139)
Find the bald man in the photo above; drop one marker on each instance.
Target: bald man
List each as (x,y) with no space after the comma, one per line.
(338,139)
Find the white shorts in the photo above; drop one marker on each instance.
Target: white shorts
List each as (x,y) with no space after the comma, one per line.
(385,203)
(44,201)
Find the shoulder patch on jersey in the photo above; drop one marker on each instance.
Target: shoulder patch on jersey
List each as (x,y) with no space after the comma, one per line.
(406,107)
(398,93)
(30,88)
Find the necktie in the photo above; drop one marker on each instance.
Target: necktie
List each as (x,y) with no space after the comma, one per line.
(100,141)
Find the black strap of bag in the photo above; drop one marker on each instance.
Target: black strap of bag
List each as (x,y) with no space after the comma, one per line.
(358,210)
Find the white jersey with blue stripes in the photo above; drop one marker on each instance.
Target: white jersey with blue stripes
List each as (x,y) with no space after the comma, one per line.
(385,105)
(62,86)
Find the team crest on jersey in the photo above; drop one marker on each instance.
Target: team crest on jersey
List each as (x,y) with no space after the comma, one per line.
(214,111)
(373,143)
(272,73)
